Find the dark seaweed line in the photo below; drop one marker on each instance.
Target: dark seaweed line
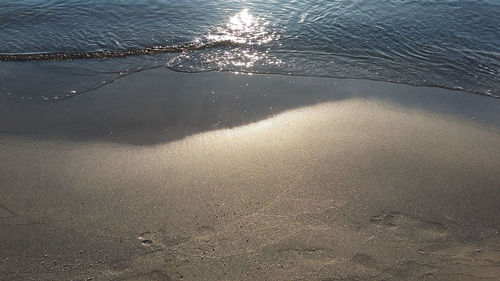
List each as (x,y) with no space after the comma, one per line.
(190,46)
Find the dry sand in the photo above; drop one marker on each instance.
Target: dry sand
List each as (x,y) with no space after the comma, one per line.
(218,176)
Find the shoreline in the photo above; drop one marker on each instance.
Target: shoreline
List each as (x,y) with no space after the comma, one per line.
(173,104)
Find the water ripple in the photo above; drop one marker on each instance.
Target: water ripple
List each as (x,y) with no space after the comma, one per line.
(451,44)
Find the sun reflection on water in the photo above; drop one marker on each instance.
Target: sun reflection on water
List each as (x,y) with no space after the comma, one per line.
(243,28)
(242,19)
(244,37)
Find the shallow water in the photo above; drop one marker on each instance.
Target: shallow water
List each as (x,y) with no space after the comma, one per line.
(449,44)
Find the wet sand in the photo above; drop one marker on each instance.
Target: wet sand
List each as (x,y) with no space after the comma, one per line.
(219,176)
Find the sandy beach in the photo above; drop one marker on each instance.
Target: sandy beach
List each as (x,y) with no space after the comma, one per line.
(222,176)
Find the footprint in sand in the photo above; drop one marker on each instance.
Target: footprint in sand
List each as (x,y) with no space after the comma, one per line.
(410,228)
(365,260)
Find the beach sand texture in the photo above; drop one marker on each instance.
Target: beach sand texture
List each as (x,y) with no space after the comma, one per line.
(219,176)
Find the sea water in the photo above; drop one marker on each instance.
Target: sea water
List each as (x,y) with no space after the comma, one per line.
(442,43)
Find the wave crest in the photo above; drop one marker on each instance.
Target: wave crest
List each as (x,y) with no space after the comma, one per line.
(61,56)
